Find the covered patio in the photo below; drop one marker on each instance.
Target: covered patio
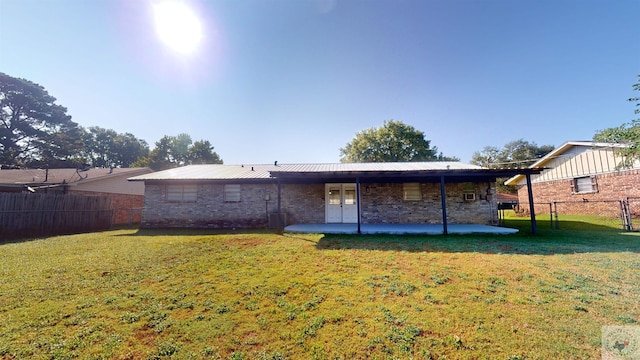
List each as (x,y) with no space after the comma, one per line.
(398,229)
(358,174)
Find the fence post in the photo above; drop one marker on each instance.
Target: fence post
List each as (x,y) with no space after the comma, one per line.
(622,216)
(555,210)
(626,214)
(630,214)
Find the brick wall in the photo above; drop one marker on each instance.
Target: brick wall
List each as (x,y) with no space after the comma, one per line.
(210,210)
(305,204)
(612,187)
(301,204)
(127,208)
(383,203)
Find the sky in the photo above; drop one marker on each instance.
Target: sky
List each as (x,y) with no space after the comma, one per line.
(294,81)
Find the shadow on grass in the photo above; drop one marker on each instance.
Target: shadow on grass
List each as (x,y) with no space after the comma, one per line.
(27,236)
(572,237)
(139,232)
(196,232)
(21,239)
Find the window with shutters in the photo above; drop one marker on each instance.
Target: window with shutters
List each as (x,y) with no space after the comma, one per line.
(182,193)
(411,192)
(232,193)
(586,184)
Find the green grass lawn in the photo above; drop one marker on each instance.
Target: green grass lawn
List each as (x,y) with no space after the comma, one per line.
(132,294)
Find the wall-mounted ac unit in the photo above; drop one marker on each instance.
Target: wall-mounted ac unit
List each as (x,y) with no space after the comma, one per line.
(469,196)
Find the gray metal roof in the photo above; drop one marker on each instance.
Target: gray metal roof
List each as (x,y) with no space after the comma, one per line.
(68,175)
(238,172)
(377,167)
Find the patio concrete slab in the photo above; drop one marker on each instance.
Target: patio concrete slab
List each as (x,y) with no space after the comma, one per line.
(397,229)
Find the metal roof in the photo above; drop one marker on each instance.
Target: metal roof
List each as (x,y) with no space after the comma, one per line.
(375,167)
(210,172)
(334,170)
(58,176)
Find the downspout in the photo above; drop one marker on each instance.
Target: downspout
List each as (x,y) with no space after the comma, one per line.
(445,229)
(534,226)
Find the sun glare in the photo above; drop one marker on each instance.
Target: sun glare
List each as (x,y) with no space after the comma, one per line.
(178,26)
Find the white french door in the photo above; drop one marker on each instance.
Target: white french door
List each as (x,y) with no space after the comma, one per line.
(341,203)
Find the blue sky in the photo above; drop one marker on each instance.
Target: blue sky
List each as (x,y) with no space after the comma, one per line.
(295,80)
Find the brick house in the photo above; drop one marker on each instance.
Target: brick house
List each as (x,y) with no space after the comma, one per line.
(127,198)
(582,177)
(252,196)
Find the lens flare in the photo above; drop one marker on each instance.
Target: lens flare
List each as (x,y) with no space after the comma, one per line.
(178,26)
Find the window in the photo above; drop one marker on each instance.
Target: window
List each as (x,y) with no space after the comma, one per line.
(411,192)
(469,196)
(585,184)
(232,193)
(182,193)
(349,196)
(334,195)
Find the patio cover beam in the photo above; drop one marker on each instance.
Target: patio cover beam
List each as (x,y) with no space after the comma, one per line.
(358,203)
(532,211)
(455,175)
(443,195)
(280,224)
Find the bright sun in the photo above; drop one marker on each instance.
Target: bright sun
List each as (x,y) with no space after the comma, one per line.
(178,26)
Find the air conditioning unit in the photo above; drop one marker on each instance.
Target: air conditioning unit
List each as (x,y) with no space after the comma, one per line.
(469,196)
(274,223)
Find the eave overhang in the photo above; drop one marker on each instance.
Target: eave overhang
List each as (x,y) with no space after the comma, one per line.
(457,175)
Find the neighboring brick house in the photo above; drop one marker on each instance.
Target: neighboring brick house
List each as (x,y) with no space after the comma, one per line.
(127,198)
(582,177)
(507,201)
(251,196)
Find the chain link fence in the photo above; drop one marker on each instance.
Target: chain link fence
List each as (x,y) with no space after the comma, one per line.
(626,210)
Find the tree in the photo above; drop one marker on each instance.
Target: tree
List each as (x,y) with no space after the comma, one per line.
(33,128)
(627,133)
(175,151)
(160,157)
(130,150)
(179,149)
(107,148)
(201,152)
(393,141)
(514,154)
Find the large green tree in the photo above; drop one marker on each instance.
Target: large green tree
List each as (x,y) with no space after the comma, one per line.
(179,150)
(393,141)
(514,154)
(627,133)
(201,152)
(33,128)
(107,148)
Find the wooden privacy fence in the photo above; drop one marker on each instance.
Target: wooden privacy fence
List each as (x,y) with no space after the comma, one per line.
(27,215)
